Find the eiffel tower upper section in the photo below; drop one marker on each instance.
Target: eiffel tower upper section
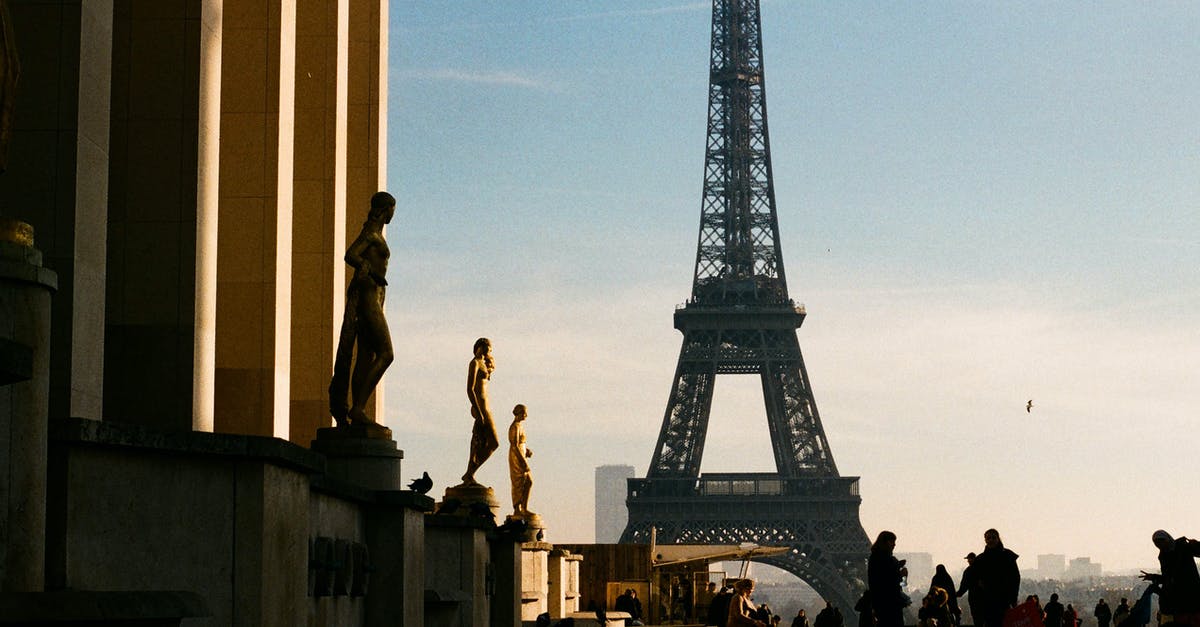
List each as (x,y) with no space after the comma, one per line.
(740,319)
(738,259)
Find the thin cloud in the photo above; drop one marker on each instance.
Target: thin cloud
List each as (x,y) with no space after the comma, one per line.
(508,79)
(679,8)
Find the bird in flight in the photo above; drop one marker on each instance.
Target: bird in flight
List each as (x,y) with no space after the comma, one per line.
(1029,406)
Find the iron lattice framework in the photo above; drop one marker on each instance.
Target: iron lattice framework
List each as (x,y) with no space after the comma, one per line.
(740,320)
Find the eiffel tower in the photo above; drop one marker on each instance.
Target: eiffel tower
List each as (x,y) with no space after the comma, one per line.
(740,320)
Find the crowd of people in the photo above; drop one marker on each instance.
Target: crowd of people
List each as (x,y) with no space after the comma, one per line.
(991,584)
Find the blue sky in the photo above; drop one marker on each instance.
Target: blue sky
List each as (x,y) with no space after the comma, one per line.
(980,203)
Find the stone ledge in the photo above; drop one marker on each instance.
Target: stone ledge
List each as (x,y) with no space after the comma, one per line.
(100,608)
(333,486)
(85,432)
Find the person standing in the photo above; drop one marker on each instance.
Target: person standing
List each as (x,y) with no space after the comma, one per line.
(942,579)
(800,620)
(969,585)
(866,616)
(884,573)
(1070,617)
(1122,612)
(999,579)
(1053,613)
(718,612)
(1102,613)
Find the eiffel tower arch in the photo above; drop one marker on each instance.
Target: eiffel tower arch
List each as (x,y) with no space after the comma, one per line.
(740,320)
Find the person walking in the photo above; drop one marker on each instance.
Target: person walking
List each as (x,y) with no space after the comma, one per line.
(884,573)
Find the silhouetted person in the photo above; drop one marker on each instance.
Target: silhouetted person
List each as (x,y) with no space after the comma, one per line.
(1070,616)
(1053,613)
(825,617)
(866,615)
(969,585)
(998,579)
(1178,585)
(718,612)
(1121,613)
(801,620)
(1102,613)
(942,579)
(884,573)
(628,602)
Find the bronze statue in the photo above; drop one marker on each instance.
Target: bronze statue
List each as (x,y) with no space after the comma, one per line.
(484,440)
(518,464)
(363,324)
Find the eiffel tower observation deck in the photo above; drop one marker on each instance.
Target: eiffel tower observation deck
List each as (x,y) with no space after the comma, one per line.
(741,320)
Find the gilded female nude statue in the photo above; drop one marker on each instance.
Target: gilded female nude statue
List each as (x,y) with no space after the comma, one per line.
(518,464)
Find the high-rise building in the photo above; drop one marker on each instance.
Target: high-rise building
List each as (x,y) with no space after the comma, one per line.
(611,513)
(920,569)
(1081,568)
(1051,566)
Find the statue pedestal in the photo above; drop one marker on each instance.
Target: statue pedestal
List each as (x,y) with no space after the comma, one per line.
(361,454)
(469,500)
(534,526)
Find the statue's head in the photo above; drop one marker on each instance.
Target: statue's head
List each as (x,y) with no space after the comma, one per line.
(482,346)
(519,411)
(383,207)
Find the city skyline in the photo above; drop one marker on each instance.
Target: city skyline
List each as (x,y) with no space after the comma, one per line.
(979,206)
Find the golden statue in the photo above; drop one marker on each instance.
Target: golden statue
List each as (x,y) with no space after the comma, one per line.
(484,440)
(363,323)
(518,464)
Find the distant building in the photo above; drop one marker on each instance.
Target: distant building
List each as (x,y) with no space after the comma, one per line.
(1051,566)
(920,569)
(1081,568)
(611,513)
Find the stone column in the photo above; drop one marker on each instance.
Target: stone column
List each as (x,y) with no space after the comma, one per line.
(25,290)
(558,573)
(319,208)
(506,599)
(366,133)
(396,537)
(254,242)
(535,557)
(571,595)
(159,183)
(459,578)
(58,177)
